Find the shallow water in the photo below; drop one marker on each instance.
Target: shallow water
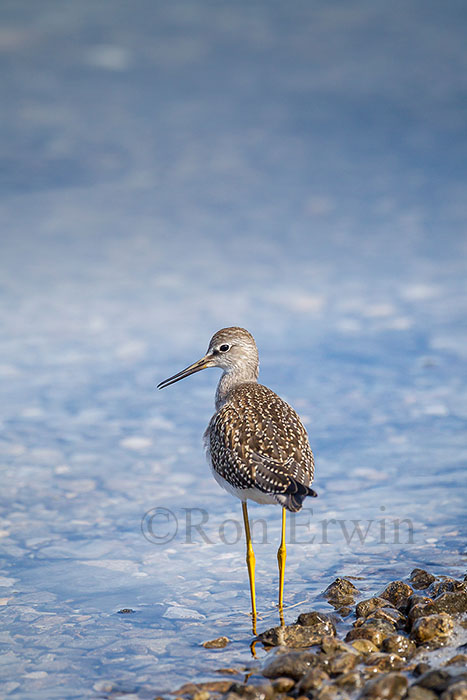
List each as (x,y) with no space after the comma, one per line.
(172,170)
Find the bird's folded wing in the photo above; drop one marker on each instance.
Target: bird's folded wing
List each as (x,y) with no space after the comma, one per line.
(252,451)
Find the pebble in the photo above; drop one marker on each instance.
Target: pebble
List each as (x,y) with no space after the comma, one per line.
(421,668)
(398,644)
(436,679)
(446,585)
(330,692)
(420,579)
(379,662)
(341,663)
(312,680)
(320,622)
(353,680)
(294,664)
(460,659)
(416,692)
(398,593)
(456,691)
(365,607)
(218,643)
(390,614)
(364,646)
(452,602)
(392,686)
(421,609)
(340,594)
(295,636)
(331,645)
(210,686)
(373,630)
(283,684)
(433,628)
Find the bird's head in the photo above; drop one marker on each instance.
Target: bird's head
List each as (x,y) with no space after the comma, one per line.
(232,349)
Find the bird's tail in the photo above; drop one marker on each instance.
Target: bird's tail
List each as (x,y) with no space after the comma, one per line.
(293,497)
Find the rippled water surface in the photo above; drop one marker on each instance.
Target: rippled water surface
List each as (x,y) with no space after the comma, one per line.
(171,168)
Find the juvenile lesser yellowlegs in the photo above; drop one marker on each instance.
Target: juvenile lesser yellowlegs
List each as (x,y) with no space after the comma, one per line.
(255,441)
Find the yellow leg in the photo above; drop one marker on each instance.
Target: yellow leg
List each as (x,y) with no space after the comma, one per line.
(281,556)
(250,562)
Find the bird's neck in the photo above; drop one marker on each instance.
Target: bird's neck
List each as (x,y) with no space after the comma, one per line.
(232,378)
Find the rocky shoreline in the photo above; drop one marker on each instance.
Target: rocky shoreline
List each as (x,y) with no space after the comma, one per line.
(390,650)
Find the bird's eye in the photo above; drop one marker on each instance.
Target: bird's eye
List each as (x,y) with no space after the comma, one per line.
(224,348)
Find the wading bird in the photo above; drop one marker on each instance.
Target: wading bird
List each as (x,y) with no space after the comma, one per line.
(255,442)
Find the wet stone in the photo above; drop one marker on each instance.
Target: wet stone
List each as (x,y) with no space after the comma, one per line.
(352,680)
(446,585)
(331,645)
(398,593)
(201,695)
(341,663)
(392,686)
(416,692)
(364,646)
(373,630)
(318,621)
(263,691)
(417,599)
(420,579)
(398,644)
(313,680)
(293,664)
(218,643)
(345,610)
(456,691)
(341,593)
(458,659)
(436,679)
(452,602)
(330,692)
(390,614)
(380,662)
(283,684)
(421,668)
(365,607)
(421,609)
(296,636)
(210,686)
(433,628)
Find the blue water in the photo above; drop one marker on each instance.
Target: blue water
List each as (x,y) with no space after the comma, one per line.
(168,169)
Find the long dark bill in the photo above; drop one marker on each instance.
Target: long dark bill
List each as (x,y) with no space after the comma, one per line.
(196,367)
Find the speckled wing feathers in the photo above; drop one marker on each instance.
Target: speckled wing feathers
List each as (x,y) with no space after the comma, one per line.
(257,441)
